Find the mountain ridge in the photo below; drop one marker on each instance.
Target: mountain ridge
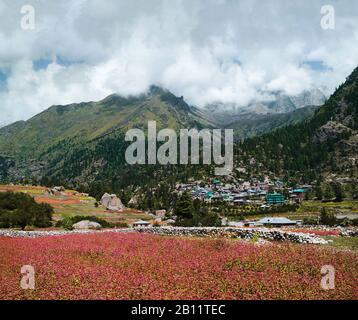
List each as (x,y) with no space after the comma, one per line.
(86,121)
(279,103)
(63,146)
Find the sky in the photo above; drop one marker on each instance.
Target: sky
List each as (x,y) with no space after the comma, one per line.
(209,51)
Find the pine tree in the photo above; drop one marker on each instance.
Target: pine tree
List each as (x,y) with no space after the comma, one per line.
(318,192)
(184,207)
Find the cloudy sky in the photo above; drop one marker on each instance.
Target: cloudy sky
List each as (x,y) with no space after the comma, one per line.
(209,51)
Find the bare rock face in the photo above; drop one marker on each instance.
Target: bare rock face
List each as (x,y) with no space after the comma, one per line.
(331,130)
(86,225)
(112,202)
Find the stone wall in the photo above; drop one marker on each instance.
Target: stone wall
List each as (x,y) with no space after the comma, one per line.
(244,233)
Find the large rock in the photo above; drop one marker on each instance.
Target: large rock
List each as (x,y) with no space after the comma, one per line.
(112,202)
(86,225)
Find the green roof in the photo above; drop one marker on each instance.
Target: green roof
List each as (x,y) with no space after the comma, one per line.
(272,198)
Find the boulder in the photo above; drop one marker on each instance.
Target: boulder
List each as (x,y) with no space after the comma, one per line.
(112,202)
(86,225)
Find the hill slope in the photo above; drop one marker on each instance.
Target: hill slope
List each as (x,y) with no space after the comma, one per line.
(83,122)
(82,143)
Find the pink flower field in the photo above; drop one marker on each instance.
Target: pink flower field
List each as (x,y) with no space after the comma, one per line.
(138,266)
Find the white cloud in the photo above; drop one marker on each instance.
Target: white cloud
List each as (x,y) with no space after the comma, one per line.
(292,81)
(206,50)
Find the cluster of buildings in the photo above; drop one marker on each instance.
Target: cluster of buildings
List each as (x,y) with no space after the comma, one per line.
(265,192)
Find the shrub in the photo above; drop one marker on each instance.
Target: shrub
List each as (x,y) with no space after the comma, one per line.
(121,225)
(310,221)
(21,210)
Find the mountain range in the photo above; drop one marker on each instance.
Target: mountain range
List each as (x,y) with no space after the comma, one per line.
(82,144)
(276,102)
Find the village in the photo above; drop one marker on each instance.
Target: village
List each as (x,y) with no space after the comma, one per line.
(265,193)
(256,203)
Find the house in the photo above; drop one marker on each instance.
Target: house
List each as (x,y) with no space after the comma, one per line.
(239,202)
(275,198)
(299,194)
(216,198)
(264,206)
(275,222)
(141,223)
(236,224)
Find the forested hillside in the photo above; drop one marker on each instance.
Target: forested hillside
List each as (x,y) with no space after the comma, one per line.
(326,144)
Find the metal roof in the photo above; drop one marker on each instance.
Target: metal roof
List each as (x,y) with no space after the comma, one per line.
(275,221)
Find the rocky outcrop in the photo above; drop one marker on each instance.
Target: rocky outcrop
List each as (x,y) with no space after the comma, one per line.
(112,202)
(330,131)
(56,191)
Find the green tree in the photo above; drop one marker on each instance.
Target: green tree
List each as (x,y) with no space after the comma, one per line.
(327,218)
(338,192)
(318,192)
(21,210)
(328,193)
(184,207)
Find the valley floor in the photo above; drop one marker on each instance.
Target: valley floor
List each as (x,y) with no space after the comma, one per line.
(141,266)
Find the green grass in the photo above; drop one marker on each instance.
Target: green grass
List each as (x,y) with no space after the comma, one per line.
(88,209)
(311,209)
(315,206)
(290,215)
(350,243)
